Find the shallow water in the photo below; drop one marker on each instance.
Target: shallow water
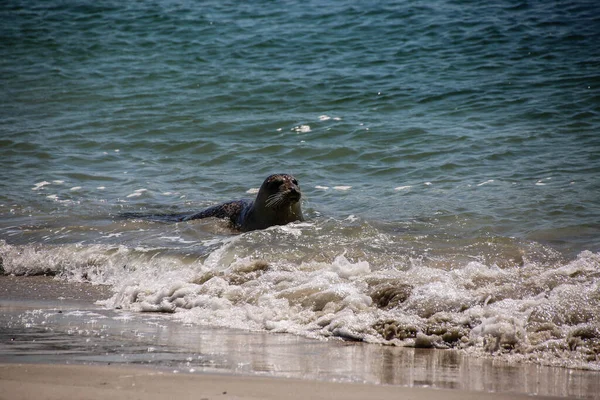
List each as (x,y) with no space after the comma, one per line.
(76,332)
(448,157)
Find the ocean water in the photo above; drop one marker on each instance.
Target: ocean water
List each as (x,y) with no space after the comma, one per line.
(448,155)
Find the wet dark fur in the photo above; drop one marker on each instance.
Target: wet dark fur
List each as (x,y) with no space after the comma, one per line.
(277,203)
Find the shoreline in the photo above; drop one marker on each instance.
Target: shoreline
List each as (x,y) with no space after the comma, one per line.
(52,331)
(43,381)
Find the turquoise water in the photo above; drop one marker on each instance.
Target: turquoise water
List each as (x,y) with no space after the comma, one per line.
(451,143)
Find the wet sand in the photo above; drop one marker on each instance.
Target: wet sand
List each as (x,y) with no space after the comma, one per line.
(55,342)
(48,289)
(106,382)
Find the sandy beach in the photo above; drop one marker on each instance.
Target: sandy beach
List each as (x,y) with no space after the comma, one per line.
(58,344)
(48,382)
(300,200)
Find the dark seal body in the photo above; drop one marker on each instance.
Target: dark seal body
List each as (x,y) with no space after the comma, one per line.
(277,203)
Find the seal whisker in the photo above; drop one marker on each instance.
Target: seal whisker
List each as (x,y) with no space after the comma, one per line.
(274,200)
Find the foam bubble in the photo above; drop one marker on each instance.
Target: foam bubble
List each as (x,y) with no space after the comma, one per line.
(282,280)
(177,239)
(345,269)
(290,229)
(541,181)
(342,188)
(137,193)
(485,183)
(498,332)
(302,129)
(113,235)
(40,185)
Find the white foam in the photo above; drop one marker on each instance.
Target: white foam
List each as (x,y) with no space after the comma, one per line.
(177,239)
(58,182)
(485,183)
(101,187)
(137,193)
(541,181)
(439,296)
(343,188)
(113,235)
(504,330)
(40,185)
(324,117)
(346,269)
(322,187)
(302,129)
(316,291)
(399,188)
(253,190)
(75,188)
(222,258)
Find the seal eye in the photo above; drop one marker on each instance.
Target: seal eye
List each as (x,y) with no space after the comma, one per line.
(275,183)
(295,182)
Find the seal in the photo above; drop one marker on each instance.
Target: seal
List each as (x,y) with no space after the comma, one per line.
(277,203)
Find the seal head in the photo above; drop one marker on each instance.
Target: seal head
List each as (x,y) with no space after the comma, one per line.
(277,203)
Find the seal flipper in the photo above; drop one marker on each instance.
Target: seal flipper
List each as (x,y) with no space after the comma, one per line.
(231,210)
(277,203)
(157,217)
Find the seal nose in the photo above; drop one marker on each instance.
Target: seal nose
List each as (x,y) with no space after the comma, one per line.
(294,193)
